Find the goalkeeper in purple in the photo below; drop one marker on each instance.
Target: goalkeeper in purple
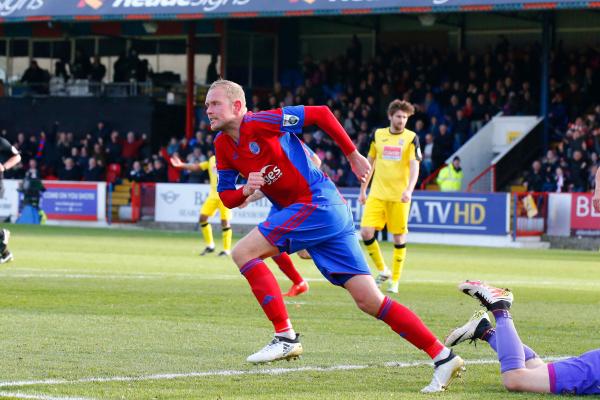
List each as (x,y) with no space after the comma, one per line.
(521,368)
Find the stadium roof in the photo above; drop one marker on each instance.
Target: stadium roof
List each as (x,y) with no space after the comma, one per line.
(95,10)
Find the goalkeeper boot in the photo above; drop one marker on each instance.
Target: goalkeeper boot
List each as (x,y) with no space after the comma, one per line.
(444,373)
(393,287)
(280,348)
(474,329)
(490,297)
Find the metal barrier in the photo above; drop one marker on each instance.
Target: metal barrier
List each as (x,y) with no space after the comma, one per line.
(431,178)
(530,214)
(484,182)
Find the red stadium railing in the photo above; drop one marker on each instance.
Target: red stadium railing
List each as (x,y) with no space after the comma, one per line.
(431,177)
(485,181)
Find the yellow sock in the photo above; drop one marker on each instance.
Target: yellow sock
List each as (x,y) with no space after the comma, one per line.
(398,262)
(207,234)
(227,235)
(375,253)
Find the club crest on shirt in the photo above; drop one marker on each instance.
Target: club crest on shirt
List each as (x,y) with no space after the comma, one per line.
(290,120)
(254,147)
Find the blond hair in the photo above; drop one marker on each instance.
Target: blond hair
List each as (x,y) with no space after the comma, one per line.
(233,90)
(400,105)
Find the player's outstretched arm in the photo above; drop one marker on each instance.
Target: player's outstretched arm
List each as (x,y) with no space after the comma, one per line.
(596,197)
(177,163)
(326,121)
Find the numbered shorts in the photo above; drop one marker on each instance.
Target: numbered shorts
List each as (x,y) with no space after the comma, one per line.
(326,231)
(378,213)
(212,204)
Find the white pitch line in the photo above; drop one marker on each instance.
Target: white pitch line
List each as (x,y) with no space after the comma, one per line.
(269,371)
(20,395)
(574,285)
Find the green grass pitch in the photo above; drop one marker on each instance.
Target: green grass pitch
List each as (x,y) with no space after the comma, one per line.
(81,308)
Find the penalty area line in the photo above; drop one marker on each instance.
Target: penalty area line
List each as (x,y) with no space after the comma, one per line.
(217,373)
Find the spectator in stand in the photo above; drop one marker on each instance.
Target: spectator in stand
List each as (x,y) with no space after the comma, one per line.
(93,172)
(427,162)
(100,131)
(461,129)
(81,66)
(560,181)
(159,172)
(534,181)
(70,171)
(114,149)
(99,154)
(451,176)
(131,148)
(37,78)
(195,158)
(97,70)
(211,71)
(442,148)
(578,172)
(136,174)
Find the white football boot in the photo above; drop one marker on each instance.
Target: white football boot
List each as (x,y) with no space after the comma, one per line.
(474,329)
(490,297)
(280,348)
(383,276)
(444,373)
(393,287)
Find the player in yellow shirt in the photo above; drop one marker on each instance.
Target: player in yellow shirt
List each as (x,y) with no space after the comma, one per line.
(210,206)
(394,154)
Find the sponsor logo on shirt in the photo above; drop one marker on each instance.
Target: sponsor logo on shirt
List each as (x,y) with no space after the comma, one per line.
(393,153)
(271,173)
(254,147)
(290,120)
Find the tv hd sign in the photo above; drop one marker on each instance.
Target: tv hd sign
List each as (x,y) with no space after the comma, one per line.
(462,213)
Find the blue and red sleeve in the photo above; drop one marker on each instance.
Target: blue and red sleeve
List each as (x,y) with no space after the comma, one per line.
(325,120)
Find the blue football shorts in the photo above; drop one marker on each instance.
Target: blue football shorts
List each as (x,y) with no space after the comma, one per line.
(326,231)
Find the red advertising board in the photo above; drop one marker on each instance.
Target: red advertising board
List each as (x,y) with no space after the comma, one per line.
(584,219)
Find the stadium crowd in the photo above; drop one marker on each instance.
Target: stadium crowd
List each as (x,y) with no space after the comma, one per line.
(454,94)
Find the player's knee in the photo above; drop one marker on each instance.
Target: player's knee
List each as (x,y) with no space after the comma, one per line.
(367,305)
(239,255)
(368,238)
(203,218)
